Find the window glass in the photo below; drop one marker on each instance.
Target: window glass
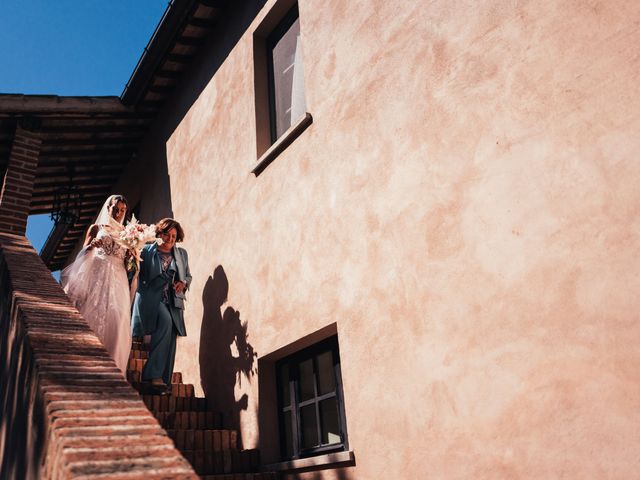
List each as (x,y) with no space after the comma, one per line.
(309,426)
(288,80)
(326,376)
(306,380)
(329,421)
(311,410)
(288,440)
(285,393)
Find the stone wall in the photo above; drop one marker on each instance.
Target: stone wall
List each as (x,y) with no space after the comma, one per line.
(66,410)
(17,186)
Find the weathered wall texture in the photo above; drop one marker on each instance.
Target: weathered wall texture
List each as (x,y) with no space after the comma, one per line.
(465,206)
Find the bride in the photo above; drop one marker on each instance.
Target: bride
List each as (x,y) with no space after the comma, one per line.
(96,282)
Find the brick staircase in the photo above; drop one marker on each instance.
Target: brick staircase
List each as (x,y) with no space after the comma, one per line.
(196,431)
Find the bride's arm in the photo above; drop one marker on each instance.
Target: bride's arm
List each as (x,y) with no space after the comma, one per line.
(89,238)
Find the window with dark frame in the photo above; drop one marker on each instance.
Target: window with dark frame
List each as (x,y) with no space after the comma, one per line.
(310,402)
(287,102)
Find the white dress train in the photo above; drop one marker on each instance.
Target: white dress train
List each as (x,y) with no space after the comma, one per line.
(96,282)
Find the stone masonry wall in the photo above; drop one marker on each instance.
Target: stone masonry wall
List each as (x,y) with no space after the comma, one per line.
(17,187)
(67,411)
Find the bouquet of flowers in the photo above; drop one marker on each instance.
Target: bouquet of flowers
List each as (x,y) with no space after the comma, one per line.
(133,237)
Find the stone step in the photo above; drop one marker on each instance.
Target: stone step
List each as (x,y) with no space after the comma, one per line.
(136,377)
(194,430)
(242,476)
(115,468)
(118,452)
(170,403)
(183,390)
(137,344)
(112,441)
(100,382)
(176,389)
(113,430)
(134,372)
(58,408)
(189,420)
(209,440)
(136,364)
(139,354)
(102,421)
(227,461)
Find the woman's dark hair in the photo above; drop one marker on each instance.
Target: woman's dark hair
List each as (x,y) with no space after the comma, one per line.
(119,198)
(166,224)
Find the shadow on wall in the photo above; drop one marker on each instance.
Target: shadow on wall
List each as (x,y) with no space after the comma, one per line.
(226,356)
(22,427)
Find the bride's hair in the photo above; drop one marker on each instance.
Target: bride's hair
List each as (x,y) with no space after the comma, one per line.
(104,216)
(166,224)
(118,198)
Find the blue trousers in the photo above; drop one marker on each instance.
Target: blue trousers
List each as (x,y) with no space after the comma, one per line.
(163,348)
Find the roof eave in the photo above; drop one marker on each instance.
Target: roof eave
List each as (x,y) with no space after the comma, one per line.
(156,48)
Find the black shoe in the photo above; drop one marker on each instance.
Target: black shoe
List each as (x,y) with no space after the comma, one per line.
(159,389)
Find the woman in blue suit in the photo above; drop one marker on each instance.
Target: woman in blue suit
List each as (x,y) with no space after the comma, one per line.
(159,302)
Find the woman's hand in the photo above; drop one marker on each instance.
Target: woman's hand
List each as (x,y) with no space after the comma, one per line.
(179,287)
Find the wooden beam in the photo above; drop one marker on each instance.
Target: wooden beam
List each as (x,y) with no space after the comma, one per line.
(87,213)
(178,58)
(161,89)
(60,178)
(152,104)
(63,182)
(75,152)
(168,74)
(46,201)
(86,191)
(217,4)
(89,206)
(187,41)
(48,115)
(30,104)
(201,23)
(65,141)
(57,158)
(104,128)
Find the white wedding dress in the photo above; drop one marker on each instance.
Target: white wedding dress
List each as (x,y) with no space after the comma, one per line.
(96,282)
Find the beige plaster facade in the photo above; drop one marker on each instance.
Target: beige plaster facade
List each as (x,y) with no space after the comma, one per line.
(464,211)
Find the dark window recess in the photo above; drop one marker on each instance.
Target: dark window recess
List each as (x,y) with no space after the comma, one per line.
(287,102)
(310,402)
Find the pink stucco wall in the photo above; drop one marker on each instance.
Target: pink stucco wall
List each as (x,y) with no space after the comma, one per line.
(465,206)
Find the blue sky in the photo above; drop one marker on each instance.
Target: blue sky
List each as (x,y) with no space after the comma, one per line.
(72,47)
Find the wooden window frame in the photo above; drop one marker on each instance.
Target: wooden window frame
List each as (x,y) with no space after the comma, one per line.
(293,362)
(275,23)
(276,35)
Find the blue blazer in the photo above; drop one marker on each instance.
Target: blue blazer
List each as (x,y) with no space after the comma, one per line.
(151,282)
